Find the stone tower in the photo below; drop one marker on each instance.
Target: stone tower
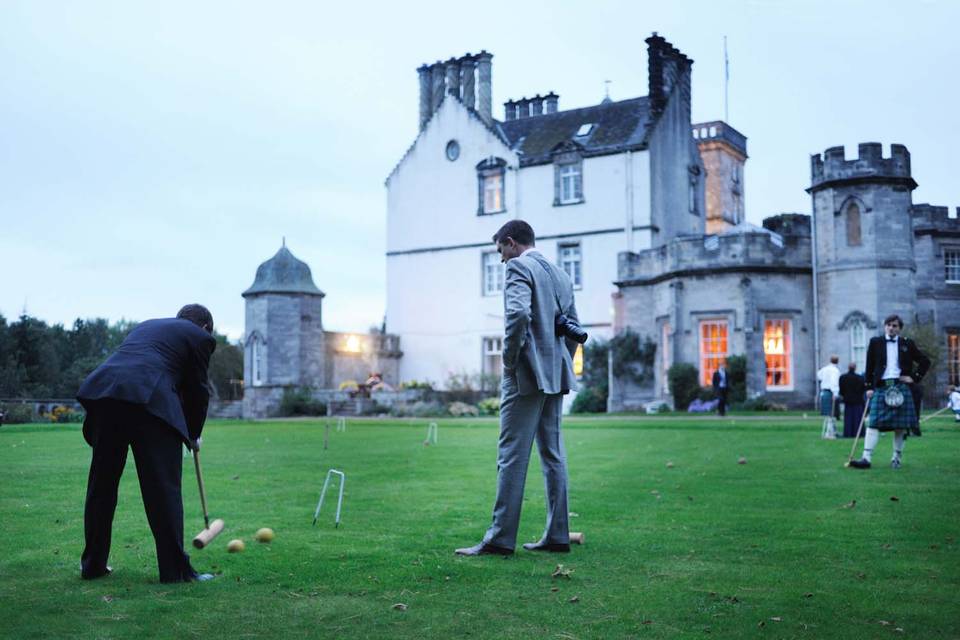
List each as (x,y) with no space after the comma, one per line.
(285,341)
(723,150)
(864,263)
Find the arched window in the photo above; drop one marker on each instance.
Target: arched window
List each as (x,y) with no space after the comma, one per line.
(257,361)
(858,343)
(853,225)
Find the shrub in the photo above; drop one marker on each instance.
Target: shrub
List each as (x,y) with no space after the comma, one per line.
(64,415)
(17,413)
(489,407)
(300,402)
(684,384)
(417,384)
(737,374)
(589,400)
(460,409)
(349,385)
(375,409)
(633,356)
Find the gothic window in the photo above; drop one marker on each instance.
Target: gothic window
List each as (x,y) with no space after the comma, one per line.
(951,263)
(778,354)
(853,225)
(491,174)
(713,348)
(492,273)
(953,357)
(571,262)
(692,190)
(858,344)
(257,360)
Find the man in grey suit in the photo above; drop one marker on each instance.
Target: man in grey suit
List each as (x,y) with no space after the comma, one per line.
(537,372)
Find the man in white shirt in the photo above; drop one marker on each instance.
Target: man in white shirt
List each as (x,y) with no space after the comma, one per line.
(829,378)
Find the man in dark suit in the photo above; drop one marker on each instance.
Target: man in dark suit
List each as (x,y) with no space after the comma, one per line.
(852,389)
(721,387)
(894,366)
(151,396)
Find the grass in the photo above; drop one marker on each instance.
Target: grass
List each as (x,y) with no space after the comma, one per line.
(707,548)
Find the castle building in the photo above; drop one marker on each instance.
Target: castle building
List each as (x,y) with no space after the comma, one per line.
(619,176)
(792,294)
(286,346)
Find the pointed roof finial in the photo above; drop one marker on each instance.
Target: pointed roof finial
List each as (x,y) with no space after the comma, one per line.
(284,240)
(606,91)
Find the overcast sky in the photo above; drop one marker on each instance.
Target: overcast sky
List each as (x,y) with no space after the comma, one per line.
(154,153)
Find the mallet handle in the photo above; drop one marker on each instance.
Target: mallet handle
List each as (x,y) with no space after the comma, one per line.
(853,449)
(203,497)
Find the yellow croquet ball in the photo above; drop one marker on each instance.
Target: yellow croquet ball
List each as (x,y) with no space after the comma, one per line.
(264,535)
(236,546)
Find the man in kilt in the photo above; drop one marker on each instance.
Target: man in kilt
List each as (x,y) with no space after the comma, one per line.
(894,366)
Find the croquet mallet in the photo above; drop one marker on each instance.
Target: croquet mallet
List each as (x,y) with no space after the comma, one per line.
(934,415)
(866,410)
(211,529)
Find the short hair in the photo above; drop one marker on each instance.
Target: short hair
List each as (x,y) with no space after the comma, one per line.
(852,366)
(834,359)
(520,231)
(893,318)
(198,315)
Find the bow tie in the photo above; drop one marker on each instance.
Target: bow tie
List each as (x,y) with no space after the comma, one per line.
(891,339)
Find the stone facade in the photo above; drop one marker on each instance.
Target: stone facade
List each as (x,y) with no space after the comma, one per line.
(724,153)
(287,347)
(809,293)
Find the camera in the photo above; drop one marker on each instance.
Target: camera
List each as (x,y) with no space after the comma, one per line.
(570,328)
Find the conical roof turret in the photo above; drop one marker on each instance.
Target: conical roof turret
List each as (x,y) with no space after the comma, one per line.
(283,273)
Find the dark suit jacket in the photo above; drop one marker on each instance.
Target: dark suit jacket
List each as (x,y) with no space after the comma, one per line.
(912,361)
(716,381)
(162,366)
(852,388)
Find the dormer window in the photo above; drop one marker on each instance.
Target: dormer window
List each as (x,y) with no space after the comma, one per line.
(491,175)
(584,130)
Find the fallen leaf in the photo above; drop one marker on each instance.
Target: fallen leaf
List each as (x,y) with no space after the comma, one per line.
(690,498)
(894,499)
(574,514)
(655,492)
(884,623)
(934,546)
(741,460)
(561,572)
(647,622)
(575,599)
(808,595)
(554,589)
(107,598)
(850,505)
(899,629)
(777,619)
(235,478)
(861,575)
(761,624)
(669,465)
(399,607)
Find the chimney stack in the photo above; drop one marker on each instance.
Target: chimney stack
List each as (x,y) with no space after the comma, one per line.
(484,90)
(425,95)
(552,101)
(453,77)
(509,110)
(468,63)
(536,105)
(437,73)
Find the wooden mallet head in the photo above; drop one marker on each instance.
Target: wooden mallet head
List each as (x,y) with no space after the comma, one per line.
(203,538)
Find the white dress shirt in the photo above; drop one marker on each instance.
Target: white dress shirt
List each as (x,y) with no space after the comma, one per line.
(829,377)
(893,359)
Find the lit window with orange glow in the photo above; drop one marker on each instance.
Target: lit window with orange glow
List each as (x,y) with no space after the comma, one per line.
(777,351)
(353,344)
(713,349)
(578,361)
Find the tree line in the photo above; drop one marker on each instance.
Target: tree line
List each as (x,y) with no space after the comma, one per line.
(38,360)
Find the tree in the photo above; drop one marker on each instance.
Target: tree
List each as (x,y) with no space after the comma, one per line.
(595,381)
(226,369)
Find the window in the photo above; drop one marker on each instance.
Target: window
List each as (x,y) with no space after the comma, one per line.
(492,273)
(858,344)
(665,352)
(584,129)
(692,204)
(778,354)
(578,361)
(713,348)
(256,360)
(951,263)
(571,263)
(453,150)
(953,358)
(490,176)
(492,363)
(853,225)
(571,183)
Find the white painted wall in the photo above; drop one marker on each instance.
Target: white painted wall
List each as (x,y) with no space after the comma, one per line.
(435,298)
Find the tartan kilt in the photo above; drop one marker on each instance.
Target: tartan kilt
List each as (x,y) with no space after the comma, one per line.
(884,418)
(826,402)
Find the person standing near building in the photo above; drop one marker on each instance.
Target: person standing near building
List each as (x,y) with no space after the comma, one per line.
(829,378)
(894,365)
(540,338)
(953,401)
(852,389)
(721,388)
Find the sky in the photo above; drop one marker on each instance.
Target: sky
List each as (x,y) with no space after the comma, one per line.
(155,153)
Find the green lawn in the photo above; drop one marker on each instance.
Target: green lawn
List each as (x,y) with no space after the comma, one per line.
(705,548)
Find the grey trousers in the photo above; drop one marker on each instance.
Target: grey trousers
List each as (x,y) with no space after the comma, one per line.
(523,419)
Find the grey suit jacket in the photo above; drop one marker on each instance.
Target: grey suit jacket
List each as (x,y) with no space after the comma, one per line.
(533,356)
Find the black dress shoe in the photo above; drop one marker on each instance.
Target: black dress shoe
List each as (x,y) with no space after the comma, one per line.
(555,547)
(860,464)
(483,549)
(94,576)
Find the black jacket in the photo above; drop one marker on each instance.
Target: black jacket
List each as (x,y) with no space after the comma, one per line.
(852,388)
(912,361)
(716,380)
(162,365)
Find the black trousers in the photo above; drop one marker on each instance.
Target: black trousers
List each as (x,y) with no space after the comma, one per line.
(111,428)
(722,397)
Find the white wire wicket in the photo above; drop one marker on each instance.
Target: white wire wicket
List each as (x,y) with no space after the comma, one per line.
(323,492)
(432,433)
(342,424)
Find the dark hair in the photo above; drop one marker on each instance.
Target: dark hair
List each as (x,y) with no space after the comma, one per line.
(852,366)
(520,231)
(198,315)
(834,359)
(893,318)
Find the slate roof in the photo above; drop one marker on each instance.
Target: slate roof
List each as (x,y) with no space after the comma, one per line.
(618,126)
(283,273)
